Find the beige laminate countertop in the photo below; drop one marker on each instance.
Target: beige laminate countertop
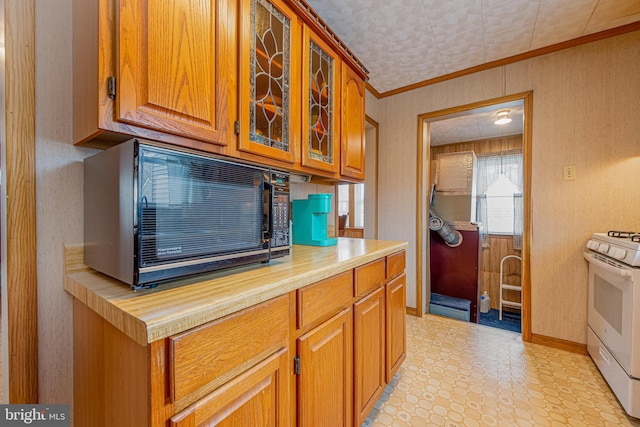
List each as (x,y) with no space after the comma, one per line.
(174,307)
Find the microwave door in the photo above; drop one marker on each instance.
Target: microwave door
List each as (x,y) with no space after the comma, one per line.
(198,209)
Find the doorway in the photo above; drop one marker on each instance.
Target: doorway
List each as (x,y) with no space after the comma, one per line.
(443,132)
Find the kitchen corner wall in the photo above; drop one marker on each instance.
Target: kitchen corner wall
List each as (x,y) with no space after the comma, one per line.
(59,216)
(585,113)
(59,197)
(372,106)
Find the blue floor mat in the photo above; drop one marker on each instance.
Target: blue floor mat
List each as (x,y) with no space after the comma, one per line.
(510,321)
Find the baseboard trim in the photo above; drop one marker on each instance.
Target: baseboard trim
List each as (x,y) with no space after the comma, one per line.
(560,344)
(412,312)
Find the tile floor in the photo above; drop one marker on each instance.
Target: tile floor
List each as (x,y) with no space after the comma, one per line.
(462,374)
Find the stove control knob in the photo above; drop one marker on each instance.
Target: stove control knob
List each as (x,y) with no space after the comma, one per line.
(593,245)
(603,248)
(618,253)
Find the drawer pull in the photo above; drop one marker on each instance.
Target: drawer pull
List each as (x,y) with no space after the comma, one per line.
(604,355)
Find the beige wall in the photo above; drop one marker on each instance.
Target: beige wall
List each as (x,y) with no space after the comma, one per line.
(58,197)
(371,108)
(370,183)
(585,113)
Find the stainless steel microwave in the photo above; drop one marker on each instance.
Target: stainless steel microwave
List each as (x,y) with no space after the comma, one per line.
(154,213)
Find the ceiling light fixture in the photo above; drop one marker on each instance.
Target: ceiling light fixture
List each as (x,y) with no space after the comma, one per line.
(503,117)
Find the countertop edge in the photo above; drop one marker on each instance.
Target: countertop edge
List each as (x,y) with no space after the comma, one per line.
(116,303)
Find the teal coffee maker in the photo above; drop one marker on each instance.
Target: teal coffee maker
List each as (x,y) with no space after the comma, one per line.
(311,221)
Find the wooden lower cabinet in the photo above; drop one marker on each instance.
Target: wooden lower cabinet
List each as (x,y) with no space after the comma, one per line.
(346,334)
(325,374)
(257,398)
(396,325)
(232,369)
(369,353)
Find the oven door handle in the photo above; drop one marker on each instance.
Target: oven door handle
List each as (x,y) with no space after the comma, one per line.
(610,268)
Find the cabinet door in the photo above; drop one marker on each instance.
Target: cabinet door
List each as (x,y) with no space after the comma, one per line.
(325,377)
(353,115)
(321,106)
(369,353)
(396,325)
(172,68)
(269,80)
(257,398)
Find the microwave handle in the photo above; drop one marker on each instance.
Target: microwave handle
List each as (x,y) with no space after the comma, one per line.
(268,234)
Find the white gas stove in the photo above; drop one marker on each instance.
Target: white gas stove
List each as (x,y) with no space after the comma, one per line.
(613,332)
(623,246)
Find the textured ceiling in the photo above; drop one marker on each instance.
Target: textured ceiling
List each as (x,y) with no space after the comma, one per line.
(477,124)
(403,42)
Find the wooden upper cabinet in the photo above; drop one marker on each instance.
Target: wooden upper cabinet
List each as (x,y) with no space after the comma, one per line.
(353,116)
(171,70)
(269,80)
(321,106)
(260,80)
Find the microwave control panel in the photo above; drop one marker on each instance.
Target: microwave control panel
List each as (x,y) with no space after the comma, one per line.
(280,219)
(280,182)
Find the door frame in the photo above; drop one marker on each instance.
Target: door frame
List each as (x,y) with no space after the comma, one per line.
(19,266)
(422,243)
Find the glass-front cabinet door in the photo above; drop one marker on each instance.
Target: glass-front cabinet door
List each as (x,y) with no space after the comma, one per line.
(269,76)
(320,101)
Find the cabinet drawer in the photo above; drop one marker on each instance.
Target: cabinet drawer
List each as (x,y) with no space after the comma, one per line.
(396,264)
(323,299)
(220,350)
(258,397)
(369,276)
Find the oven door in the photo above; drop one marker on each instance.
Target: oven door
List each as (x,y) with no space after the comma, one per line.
(612,297)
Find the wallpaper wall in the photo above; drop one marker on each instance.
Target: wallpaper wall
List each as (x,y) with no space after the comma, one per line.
(585,113)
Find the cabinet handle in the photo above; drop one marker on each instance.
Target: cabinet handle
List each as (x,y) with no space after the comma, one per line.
(111,87)
(296,365)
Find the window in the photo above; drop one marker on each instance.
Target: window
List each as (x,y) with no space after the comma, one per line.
(351,203)
(358,205)
(343,200)
(500,208)
(499,185)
